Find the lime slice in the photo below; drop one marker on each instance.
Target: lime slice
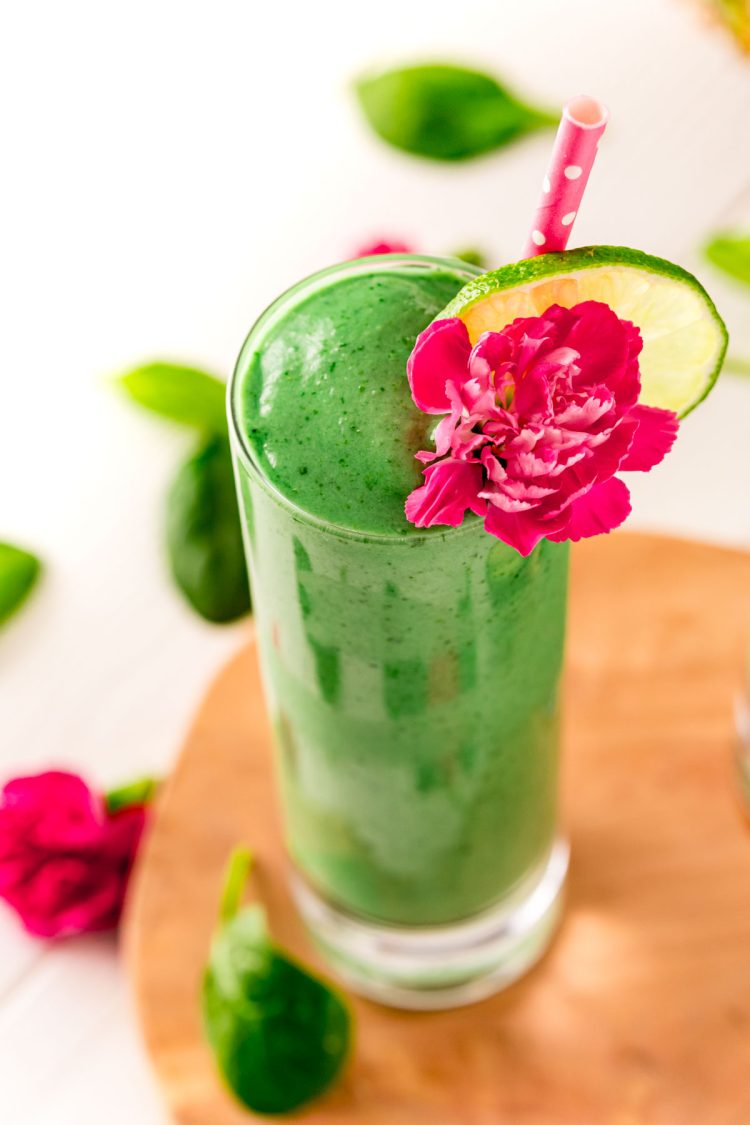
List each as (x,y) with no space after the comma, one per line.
(684,338)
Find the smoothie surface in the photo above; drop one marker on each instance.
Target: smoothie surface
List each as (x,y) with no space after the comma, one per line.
(325,402)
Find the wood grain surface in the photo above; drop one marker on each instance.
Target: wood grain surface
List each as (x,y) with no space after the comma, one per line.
(640,1013)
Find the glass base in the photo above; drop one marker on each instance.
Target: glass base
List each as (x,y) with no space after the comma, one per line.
(435,967)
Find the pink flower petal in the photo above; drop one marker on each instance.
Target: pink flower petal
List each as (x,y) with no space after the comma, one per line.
(608,349)
(494,468)
(535,465)
(533,397)
(600,510)
(64,860)
(491,351)
(584,414)
(655,436)
(532,336)
(521,530)
(59,789)
(384,246)
(441,353)
(598,463)
(501,499)
(443,434)
(450,489)
(470,398)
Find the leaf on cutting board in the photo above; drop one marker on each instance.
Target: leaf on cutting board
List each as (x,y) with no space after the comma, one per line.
(279,1035)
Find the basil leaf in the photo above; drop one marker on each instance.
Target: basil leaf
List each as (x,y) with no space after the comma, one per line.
(446,112)
(204,539)
(19,571)
(731,253)
(182,394)
(279,1035)
(138,792)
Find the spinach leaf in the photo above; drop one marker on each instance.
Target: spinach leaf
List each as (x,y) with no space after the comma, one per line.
(736,365)
(731,253)
(279,1035)
(473,256)
(182,394)
(446,112)
(19,571)
(204,539)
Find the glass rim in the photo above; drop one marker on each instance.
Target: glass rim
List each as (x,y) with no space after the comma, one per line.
(242,448)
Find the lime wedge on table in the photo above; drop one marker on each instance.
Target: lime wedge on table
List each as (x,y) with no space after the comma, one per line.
(684,338)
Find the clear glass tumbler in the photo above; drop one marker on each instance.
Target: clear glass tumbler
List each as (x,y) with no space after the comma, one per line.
(412,684)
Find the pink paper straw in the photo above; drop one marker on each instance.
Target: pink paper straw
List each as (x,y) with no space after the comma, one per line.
(582,124)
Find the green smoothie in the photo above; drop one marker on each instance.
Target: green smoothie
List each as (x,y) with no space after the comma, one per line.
(412,675)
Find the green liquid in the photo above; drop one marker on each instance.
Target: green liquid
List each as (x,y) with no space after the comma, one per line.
(326,403)
(412,677)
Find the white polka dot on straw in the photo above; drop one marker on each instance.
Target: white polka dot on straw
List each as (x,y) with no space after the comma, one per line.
(572,172)
(566,220)
(538,238)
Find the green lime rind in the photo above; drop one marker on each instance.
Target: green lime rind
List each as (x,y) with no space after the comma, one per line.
(520,274)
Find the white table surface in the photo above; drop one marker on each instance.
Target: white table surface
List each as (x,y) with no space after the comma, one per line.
(168,168)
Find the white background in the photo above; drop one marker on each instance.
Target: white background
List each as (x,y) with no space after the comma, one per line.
(166,168)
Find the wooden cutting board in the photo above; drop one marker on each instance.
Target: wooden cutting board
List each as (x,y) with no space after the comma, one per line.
(640,1013)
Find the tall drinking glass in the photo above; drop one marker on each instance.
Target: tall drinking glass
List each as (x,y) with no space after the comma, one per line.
(411,675)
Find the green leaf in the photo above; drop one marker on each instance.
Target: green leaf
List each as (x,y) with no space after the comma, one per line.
(138,792)
(19,571)
(238,870)
(731,253)
(736,365)
(204,539)
(473,256)
(279,1035)
(446,112)
(182,394)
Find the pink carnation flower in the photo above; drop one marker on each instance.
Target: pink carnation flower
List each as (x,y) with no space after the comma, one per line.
(538,420)
(64,859)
